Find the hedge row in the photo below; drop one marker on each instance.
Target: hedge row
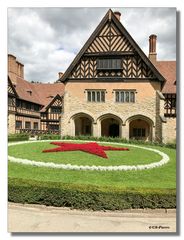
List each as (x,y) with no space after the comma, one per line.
(18,137)
(24,137)
(87,197)
(120,140)
(49,136)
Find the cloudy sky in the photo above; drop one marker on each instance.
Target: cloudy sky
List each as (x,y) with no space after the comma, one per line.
(46,40)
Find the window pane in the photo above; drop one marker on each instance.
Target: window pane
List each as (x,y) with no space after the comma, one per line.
(117,96)
(173,103)
(89,96)
(132,97)
(53,127)
(126,96)
(27,125)
(118,63)
(110,66)
(102,96)
(18,124)
(35,126)
(114,63)
(98,96)
(122,97)
(93,96)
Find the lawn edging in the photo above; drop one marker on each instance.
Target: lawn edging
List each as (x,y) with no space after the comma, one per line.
(88,196)
(164,160)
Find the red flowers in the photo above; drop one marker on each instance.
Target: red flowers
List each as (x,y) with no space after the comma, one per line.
(93,148)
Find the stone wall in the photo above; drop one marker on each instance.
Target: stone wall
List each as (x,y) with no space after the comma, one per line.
(169,130)
(11,123)
(75,102)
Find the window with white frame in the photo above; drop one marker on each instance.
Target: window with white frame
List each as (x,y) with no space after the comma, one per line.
(125,96)
(96,95)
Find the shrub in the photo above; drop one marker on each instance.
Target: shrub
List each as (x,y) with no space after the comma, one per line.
(87,196)
(50,137)
(119,140)
(18,137)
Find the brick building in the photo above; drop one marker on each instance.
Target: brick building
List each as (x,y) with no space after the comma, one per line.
(110,89)
(32,107)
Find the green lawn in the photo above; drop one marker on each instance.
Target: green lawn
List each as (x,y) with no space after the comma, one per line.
(158,178)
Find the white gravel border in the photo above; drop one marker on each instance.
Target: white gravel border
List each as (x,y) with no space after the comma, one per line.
(164,160)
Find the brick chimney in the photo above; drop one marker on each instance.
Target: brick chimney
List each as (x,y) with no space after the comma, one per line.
(152,48)
(60,74)
(118,15)
(15,68)
(20,69)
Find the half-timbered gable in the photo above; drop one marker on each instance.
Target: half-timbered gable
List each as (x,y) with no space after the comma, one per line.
(111,54)
(12,95)
(50,115)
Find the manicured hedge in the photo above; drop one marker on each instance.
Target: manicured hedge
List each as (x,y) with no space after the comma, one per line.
(49,137)
(120,140)
(18,137)
(87,197)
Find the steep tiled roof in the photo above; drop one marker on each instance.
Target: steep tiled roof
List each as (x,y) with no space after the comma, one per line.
(39,93)
(168,70)
(48,91)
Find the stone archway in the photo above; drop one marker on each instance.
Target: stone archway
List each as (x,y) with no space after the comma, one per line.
(110,125)
(140,128)
(83,124)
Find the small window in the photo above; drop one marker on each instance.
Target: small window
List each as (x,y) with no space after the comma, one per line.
(28,105)
(127,97)
(132,97)
(89,96)
(173,103)
(139,132)
(109,64)
(36,107)
(18,124)
(96,96)
(93,97)
(124,96)
(35,125)
(53,127)
(28,125)
(102,96)
(55,109)
(117,96)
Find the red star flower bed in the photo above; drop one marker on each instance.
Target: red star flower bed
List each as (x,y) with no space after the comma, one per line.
(92,148)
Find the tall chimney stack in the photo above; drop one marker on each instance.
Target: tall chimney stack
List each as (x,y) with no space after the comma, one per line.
(152,48)
(118,15)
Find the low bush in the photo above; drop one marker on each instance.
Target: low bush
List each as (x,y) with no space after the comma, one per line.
(87,196)
(50,137)
(18,137)
(119,140)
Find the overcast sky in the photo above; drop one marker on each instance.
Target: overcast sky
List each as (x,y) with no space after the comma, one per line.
(46,40)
